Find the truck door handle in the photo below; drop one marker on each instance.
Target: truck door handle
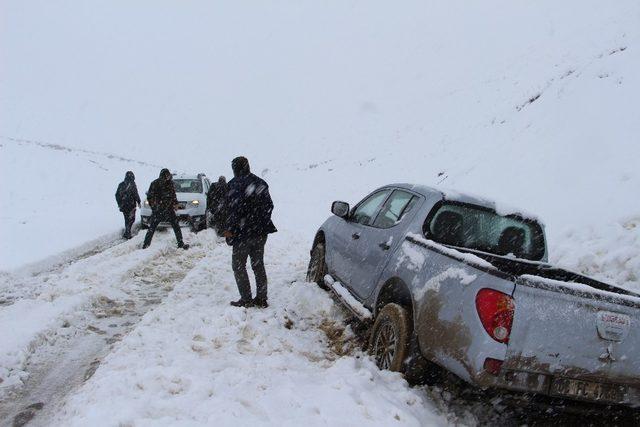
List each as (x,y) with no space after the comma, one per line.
(355,236)
(384,246)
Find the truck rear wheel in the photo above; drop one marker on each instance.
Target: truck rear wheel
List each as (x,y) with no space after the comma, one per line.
(390,337)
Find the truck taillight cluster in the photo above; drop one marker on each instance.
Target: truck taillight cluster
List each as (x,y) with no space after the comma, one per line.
(496,313)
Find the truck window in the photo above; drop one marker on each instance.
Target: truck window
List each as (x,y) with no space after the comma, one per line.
(482,229)
(394,209)
(366,209)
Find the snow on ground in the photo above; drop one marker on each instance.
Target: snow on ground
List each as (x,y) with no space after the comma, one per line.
(55,199)
(610,252)
(33,308)
(195,360)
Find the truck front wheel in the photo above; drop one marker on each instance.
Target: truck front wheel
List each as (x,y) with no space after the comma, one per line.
(317,267)
(390,337)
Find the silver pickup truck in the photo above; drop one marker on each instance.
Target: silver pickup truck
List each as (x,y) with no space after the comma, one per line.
(465,284)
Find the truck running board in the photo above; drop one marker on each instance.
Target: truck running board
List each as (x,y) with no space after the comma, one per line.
(343,294)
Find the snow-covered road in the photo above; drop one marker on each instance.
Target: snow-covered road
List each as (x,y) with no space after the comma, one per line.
(63,321)
(191,358)
(124,336)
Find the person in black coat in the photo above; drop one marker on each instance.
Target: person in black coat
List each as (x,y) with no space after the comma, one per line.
(247,227)
(217,204)
(163,202)
(128,198)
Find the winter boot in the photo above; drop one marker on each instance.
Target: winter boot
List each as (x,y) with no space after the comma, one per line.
(260,302)
(242,303)
(183,246)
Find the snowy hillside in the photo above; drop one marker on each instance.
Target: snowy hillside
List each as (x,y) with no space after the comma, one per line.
(531,103)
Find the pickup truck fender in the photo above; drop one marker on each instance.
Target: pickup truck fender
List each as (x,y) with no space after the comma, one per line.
(443,288)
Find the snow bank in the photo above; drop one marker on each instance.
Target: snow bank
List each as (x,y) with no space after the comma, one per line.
(609,252)
(56,199)
(196,360)
(24,325)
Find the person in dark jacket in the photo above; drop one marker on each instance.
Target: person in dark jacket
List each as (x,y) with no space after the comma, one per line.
(128,198)
(163,202)
(247,227)
(217,204)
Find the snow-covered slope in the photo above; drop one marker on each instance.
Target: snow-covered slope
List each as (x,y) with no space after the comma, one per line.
(530,102)
(55,199)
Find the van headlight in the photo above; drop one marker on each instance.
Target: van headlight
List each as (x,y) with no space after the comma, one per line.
(146,202)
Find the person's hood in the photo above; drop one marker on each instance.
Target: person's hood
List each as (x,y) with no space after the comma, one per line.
(240,166)
(129,177)
(164,173)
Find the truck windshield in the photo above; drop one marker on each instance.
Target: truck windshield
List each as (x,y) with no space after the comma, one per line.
(188,185)
(482,229)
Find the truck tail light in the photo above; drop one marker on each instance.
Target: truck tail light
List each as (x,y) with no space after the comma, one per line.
(496,313)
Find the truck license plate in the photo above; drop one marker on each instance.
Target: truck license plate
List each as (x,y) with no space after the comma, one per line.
(588,390)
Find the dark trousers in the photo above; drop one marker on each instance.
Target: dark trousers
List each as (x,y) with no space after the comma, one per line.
(129,219)
(250,248)
(160,216)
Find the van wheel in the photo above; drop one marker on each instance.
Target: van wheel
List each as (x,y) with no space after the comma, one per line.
(390,337)
(317,267)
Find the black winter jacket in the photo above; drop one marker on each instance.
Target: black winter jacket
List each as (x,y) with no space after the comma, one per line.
(127,196)
(162,195)
(249,208)
(217,198)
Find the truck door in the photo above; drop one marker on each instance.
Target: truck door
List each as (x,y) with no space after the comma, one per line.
(378,241)
(346,236)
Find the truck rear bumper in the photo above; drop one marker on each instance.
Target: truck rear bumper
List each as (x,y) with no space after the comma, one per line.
(560,387)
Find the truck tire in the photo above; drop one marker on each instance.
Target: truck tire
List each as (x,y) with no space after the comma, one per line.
(390,337)
(317,266)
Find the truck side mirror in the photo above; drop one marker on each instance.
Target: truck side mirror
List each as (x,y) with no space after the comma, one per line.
(340,209)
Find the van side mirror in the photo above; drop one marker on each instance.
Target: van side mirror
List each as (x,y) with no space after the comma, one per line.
(340,209)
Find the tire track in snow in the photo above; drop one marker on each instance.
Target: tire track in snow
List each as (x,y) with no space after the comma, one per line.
(67,356)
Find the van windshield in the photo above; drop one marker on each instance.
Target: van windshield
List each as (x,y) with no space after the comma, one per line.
(482,229)
(188,185)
